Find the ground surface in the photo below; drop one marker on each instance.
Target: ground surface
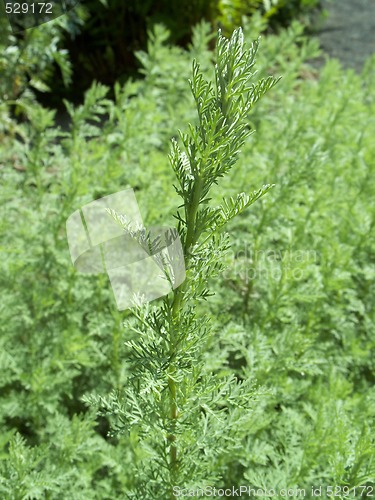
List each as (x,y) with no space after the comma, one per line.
(348,33)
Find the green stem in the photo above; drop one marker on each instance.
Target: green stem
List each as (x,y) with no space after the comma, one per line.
(192,235)
(172,383)
(191,238)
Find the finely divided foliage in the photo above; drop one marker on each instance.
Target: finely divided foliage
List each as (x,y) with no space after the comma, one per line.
(294,310)
(175,408)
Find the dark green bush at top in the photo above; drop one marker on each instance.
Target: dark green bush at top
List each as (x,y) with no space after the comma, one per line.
(276,12)
(97,40)
(31,60)
(114,30)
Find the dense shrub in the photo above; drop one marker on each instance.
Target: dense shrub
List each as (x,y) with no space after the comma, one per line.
(114,30)
(97,40)
(276,12)
(293,313)
(34,61)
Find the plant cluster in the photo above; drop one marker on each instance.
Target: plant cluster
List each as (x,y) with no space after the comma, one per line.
(53,61)
(290,334)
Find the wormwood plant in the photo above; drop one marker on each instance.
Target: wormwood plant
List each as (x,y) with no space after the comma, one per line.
(185,422)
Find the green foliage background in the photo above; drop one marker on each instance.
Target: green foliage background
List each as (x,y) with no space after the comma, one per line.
(293,314)
(97,40)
